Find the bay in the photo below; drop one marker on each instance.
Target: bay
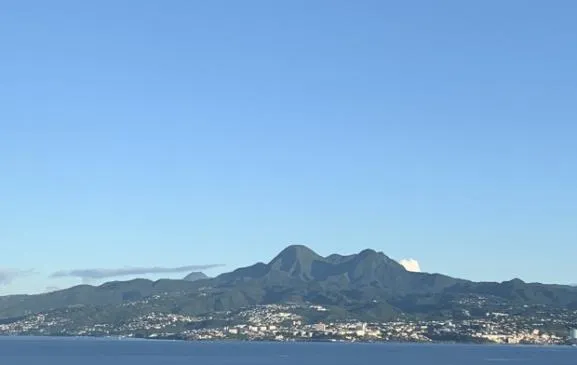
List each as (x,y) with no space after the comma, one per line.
(87,351)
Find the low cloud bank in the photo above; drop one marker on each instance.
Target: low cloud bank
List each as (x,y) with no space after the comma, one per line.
(8,275)
(94,274)
(411,265)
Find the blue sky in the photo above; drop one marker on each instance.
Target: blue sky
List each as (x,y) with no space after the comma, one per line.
(146,133)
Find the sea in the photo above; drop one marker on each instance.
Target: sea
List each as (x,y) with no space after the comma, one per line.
(87,351)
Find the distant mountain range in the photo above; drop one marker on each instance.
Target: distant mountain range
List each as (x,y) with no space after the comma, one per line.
(367,283)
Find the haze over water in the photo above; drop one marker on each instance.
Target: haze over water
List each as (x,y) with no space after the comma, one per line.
(72,351)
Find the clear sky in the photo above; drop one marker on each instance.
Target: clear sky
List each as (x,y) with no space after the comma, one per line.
(175,133)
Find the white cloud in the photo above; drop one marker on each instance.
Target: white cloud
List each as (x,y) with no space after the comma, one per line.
(92,274)
(411,265)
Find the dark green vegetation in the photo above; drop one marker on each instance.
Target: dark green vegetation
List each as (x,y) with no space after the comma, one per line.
(368,285)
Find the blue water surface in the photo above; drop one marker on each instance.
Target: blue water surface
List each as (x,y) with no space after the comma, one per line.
(85,351)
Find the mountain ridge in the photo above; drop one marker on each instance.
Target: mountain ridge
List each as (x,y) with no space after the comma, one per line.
(299,274)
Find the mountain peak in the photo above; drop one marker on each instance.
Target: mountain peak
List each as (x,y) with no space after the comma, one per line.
(368,252)
(296,260)
(296,252)
(300,249)
(194,276)
(514,281)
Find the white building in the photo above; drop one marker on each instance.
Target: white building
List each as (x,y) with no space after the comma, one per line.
(573,333)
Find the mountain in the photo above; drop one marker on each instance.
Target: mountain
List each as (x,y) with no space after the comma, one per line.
(111,293)
(194,276)
(368,283)
(368,272)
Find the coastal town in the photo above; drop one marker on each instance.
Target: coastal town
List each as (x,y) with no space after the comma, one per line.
(281,322)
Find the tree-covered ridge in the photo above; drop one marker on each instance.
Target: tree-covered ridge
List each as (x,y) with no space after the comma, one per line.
(369,282)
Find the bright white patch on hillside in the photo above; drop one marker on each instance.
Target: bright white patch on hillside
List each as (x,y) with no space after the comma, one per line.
(411,265)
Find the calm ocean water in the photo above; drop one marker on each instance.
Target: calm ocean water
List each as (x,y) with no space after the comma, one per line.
(66,351)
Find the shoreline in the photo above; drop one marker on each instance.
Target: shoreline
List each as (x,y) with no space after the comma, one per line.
(291,341)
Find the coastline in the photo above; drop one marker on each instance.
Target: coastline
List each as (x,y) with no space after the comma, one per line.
(288,341)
